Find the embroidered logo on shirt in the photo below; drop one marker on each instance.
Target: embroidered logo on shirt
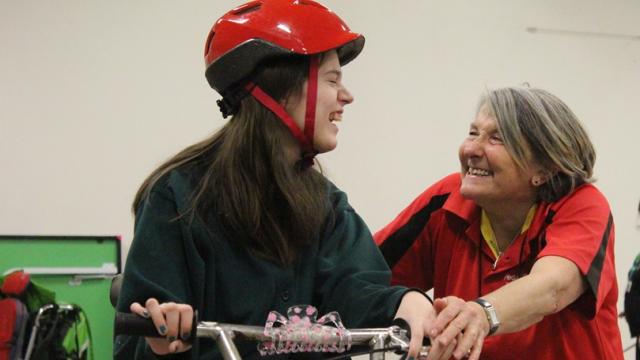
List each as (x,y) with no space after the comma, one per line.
(511,277)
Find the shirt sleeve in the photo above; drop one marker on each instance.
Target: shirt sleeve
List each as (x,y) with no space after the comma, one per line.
(582,231)
(406,242)
(156,267)
(352,276)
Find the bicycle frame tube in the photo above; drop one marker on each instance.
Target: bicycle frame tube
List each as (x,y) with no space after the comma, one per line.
(224,336)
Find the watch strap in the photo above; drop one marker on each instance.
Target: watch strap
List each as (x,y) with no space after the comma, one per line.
(490,313)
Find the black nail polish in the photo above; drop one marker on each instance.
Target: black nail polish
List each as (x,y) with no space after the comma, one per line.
(186,336)
(162,329)
(172,338)
(145,314)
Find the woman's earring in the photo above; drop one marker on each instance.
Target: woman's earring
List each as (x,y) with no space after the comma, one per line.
(536,181)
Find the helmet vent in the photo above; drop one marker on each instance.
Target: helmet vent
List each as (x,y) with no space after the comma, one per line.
(247,8)
(207,45)
(312,3)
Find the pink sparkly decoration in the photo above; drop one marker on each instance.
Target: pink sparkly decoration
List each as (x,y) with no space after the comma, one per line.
(299,331)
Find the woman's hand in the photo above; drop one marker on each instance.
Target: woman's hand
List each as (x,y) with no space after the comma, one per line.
(460,321)
(418,312)
(173,321)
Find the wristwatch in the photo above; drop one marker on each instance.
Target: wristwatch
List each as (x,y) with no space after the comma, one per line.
(490,312)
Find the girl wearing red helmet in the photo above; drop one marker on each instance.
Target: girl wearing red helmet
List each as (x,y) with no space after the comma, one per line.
(241,223)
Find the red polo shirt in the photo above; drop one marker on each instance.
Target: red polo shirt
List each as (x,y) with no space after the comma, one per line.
(436,243)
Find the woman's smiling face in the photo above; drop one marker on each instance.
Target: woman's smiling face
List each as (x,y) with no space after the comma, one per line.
(490,176)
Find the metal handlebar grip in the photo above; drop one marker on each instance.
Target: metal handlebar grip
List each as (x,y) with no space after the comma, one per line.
(132,324)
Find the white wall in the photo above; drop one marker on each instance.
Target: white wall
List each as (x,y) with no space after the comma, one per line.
(94,95)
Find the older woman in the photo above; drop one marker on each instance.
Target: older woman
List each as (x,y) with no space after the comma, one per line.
(519,246)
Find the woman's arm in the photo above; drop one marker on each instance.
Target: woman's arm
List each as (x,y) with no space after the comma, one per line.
(553,284)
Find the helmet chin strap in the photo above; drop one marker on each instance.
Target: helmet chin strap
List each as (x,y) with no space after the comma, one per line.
(305,139)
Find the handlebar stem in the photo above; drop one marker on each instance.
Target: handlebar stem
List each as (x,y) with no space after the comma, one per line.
(227,346)
(378,343)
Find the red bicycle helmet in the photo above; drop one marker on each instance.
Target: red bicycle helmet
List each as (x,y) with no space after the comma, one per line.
(245,36)
(260,29)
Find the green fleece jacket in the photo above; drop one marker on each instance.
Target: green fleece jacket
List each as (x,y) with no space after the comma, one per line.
(174,260)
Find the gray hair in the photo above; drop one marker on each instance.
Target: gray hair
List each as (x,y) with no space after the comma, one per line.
(538,127)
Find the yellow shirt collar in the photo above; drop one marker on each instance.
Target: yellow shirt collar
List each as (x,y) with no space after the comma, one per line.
(490,237)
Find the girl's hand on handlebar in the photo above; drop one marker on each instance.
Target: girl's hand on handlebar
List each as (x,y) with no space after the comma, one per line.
(418,312)
(173,321)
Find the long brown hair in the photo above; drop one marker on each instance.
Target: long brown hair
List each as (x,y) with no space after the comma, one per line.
(246,179)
